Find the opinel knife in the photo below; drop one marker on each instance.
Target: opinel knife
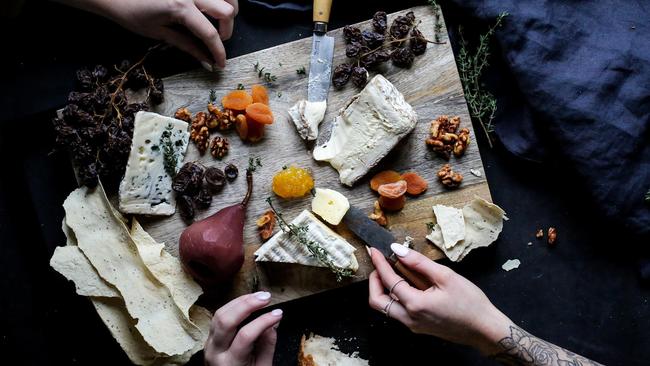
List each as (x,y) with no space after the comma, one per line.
(322,51)
(373,235)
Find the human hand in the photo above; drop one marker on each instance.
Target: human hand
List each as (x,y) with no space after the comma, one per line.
(252,344)
(453,308)
(181,23)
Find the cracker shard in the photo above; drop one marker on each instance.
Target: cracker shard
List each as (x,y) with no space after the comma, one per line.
(366,130)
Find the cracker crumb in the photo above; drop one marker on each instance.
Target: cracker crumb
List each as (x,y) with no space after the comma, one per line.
(511,264)
(475,172)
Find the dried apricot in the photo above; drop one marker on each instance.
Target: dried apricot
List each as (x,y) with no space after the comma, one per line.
(387,176)
(292,182)
(241,126)
(237,100)
(392,190)
(259,112)
(415,184)
(392,204)
(259,94)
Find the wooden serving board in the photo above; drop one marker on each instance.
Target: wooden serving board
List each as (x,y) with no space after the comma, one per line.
(431,86)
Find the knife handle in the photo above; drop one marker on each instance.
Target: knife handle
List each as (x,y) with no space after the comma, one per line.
(322,10)
(416,279)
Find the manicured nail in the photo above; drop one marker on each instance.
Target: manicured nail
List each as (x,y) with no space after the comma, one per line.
(276,312)
(399,249)
(263,295)
(206,66)
(369,251)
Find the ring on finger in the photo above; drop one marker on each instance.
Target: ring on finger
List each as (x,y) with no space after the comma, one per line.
(386,309)
(390,293)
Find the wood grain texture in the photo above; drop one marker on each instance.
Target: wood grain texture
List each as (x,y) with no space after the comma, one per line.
(431,86)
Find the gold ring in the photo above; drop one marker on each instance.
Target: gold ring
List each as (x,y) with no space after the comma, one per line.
(387,307)
(390,293)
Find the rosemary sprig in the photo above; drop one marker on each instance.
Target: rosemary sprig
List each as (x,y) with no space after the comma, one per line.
(213,96)
(482,104)
(438,25)
(264,75)
(300,233)
(301,71)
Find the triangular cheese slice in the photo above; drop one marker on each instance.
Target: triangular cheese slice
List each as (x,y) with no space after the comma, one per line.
(284,248)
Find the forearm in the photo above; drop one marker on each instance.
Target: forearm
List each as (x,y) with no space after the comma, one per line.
(518,347)
(99,7)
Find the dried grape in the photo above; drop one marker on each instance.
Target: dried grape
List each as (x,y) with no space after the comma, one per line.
(204,198)
(231,172)
(341,75)
(185,207)
(359,76)
(351,34)
(372,39)
(379,22)
(417,43)
(355,49)
(402,57)
(215,178)
(188,179)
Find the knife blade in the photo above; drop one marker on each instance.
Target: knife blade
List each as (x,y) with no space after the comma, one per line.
(373,235)
(322,51)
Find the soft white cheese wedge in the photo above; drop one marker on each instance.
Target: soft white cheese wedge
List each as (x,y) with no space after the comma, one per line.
(330,205)
(147,186)
(284,248)
(365,130)
(307,116)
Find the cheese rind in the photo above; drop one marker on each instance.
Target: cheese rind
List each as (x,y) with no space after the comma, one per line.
(284,248)
(330,205)
(307,116)
(147,187)
(366,129)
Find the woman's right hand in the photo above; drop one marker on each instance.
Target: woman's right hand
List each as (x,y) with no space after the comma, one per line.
(453,308)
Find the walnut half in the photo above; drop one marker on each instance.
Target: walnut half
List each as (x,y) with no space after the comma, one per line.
(378,215)
(449,178)
(266,224)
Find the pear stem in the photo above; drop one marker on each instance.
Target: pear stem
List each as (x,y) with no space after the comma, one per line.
(249,182)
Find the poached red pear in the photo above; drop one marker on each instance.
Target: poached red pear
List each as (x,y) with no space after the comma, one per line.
(212,250)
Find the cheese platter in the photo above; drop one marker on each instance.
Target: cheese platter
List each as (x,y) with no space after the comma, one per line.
(213,160)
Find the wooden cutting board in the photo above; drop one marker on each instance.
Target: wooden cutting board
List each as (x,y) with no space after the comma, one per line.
(431,86)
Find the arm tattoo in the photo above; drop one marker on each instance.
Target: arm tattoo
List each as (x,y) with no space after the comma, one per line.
(524,349)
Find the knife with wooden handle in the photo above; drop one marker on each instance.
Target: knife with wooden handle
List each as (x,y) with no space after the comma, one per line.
(322,51)
(373,235)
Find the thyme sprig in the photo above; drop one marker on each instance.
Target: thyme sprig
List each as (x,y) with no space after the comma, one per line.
(264,75)
(437,28)
(213,96)
(482,104)
(169,153)
(300,233)
(254,163)
(301,71)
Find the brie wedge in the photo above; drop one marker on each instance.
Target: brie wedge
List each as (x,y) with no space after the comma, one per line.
(307,116)
(284,248)
(147,186)
(365,130)
(330,205)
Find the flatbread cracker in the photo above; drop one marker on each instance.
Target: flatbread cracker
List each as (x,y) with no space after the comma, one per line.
(73,265)
(451,223)
(166,268)
(483,224)
(105,241)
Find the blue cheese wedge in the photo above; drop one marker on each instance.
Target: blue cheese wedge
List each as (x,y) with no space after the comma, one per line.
(157,151)
(366,130)
(284,248)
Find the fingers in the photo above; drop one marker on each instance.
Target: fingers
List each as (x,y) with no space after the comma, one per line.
(200,26)
(186,44)
(226,320)
(417,262)
(403,291)
(378,300)
(222,10)
(265,347)
(244,342)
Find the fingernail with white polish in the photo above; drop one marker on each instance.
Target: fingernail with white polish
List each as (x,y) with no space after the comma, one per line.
(206,66)
(399,249)
(263,295)
(369,251)
(276,312)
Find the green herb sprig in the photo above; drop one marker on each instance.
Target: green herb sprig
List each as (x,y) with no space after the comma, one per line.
(430,225)
(254,163)
(301,71)
(264,75)
(482,104)
(299,232)
(437,34)
(213,96)
(240,86)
